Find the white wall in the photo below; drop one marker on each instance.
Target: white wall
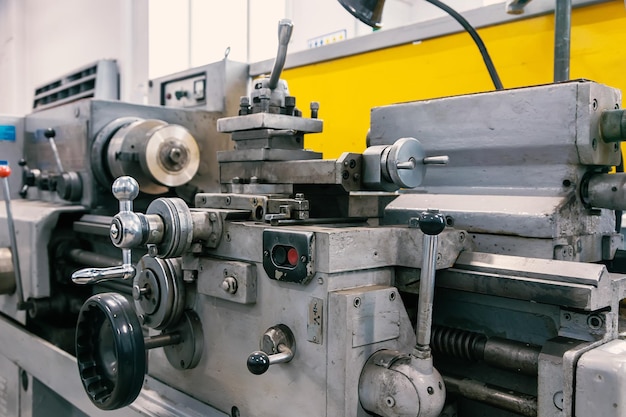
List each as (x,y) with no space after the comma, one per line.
(189,33)
(41,40)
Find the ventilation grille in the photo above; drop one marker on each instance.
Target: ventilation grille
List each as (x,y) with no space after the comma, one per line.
(99,80)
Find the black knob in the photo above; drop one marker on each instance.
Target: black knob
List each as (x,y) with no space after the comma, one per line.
(258,362)
(22,162)
(110,351)
(49,133)
(432,222)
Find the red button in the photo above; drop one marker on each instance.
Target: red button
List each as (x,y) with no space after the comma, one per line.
(5,171)
(292,256)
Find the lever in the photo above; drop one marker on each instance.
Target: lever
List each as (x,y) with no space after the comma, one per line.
(50,134)
(278,345)
(431,223)
(5,172)
(285,28)
(125,232)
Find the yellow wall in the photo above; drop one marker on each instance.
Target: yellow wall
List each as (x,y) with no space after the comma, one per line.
(522,52)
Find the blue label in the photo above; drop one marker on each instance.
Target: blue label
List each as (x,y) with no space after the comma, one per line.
(4,162)
(7,132)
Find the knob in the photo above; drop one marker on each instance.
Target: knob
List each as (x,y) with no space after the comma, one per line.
(431,222)
(277,346)
(111,349)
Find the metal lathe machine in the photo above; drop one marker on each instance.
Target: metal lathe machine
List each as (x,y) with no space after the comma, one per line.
(468,263)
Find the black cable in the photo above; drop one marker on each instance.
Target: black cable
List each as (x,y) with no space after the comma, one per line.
(479,42)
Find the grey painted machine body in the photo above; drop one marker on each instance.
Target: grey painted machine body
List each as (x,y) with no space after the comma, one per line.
(526,309)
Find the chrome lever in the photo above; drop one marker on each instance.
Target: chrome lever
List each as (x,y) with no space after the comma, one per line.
(125,233)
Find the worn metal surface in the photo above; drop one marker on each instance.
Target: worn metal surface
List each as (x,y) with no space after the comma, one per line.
(584,286)
(488,135)
(269,121)
(600,380)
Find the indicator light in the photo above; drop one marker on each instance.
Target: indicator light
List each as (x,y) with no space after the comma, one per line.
(292,256)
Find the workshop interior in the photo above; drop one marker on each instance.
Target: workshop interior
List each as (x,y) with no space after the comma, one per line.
(343,208)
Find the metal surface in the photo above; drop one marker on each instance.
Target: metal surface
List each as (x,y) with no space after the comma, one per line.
(519,403)
(57,370)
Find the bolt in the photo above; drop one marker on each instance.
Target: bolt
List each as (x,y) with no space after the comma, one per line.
(320,281)
(266,253)
(390,402)
(299,196)
(228,201)
(303,259)
(392,295)
(153,251)
(236,180)
(212,217)
(430,390)
(594,104)
(357,302)
(115,231)
(254,180)
(414,223)
(175,155)
(139,292)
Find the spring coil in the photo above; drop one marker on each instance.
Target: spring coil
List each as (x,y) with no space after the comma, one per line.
(457,343)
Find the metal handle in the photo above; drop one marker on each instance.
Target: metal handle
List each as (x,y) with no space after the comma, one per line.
(5,172)
(285,28)
(277,340)
(51,134)
(125,232)
(431,223)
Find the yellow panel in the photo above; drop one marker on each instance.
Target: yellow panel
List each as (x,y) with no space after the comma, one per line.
(522,52)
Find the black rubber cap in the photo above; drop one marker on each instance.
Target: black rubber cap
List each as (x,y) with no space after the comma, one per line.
(432,222)
(110,351)
(49,133)
(258,363)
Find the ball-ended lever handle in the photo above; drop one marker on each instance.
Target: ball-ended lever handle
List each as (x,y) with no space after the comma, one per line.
(277,346)
(126,232)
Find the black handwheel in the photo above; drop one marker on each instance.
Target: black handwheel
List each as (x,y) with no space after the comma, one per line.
(110,351)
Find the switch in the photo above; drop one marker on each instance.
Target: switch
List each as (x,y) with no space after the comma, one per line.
(198,89)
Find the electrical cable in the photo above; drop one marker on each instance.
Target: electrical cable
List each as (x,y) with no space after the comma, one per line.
(479,42)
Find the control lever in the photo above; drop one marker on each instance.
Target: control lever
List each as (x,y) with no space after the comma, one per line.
(431,223)
(5,172)
(125,189)
(50,134)
(285,29)
(411,381)
(278,345)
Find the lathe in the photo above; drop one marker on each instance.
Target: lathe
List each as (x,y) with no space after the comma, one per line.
(468,262)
